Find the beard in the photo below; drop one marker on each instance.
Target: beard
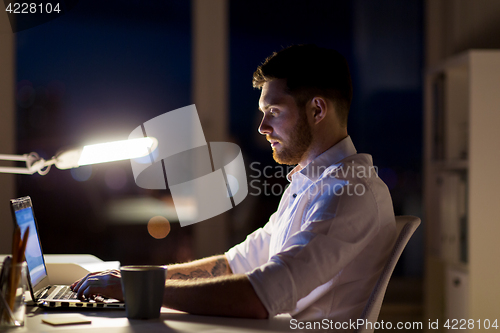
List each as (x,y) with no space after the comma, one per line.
(291,152)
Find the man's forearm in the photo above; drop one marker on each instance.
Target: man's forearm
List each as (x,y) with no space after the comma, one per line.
(204,268)
(231,295)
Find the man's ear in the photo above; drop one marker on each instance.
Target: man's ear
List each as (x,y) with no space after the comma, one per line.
(319,109)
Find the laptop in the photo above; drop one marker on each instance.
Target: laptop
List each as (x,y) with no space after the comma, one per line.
(42,292)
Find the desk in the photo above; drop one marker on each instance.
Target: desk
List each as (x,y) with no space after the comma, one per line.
(170,321)
(115,321)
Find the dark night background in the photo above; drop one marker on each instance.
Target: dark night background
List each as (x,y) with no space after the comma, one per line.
(99,71)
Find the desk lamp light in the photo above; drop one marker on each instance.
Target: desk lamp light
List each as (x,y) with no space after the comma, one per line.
(91,154)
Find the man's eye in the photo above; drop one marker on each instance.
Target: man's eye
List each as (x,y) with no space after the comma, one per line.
(273,112)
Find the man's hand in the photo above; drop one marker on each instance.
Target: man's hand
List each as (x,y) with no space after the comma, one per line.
(106,284)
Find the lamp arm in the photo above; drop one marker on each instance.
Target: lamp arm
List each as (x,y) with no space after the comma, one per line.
(34,163)
(91,154)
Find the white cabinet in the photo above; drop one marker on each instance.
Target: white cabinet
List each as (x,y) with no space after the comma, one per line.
(462,187)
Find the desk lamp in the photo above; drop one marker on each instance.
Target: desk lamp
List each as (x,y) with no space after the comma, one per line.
(91,154)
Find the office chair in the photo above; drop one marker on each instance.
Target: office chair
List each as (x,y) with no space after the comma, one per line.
(406,226)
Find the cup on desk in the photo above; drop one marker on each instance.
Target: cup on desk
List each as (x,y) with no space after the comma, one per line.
(143,288)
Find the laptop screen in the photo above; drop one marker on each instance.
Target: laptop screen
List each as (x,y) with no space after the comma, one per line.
(34,258)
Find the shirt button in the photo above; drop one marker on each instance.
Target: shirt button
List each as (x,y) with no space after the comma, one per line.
(294,195)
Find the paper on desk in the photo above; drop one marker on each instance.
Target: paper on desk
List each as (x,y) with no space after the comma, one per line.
(73,258)
(65,319)
(101,266)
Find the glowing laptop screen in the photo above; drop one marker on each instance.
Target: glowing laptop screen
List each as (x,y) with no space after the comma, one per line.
(34,257)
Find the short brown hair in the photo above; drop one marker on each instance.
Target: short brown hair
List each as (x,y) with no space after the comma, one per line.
(310,71)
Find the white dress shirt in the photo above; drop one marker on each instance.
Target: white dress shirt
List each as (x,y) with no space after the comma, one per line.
(322,251)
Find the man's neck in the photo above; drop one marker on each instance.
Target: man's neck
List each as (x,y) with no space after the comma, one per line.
(319,147)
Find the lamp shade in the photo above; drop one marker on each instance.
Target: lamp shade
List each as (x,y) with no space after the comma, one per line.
(106,152)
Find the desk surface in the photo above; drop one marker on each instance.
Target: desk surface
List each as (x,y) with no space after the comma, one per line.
(110,321)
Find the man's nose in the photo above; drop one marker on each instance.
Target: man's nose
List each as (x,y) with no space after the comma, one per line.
(264,127)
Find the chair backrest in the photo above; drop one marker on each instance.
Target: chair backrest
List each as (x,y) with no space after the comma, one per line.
(406,226)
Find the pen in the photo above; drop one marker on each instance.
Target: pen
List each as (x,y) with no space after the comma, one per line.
(24,241)
(11,291)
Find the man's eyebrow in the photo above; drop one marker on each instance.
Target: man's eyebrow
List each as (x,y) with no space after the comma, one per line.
(269,105)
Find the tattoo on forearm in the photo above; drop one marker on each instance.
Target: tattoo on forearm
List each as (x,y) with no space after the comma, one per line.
(199,274)
(196,274)
(220,268)
(180,276)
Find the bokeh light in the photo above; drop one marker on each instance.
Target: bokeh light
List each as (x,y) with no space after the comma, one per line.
(158,227)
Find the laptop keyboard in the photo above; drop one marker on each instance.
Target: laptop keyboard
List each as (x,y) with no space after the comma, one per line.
(63,293)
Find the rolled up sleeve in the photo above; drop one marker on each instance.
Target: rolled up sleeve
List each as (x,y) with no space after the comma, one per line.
(251,253)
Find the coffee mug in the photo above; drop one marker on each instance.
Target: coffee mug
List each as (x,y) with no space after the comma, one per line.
(143,288)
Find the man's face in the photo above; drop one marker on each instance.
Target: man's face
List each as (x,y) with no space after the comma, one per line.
(284,124)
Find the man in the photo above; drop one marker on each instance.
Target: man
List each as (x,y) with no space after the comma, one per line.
(321,253)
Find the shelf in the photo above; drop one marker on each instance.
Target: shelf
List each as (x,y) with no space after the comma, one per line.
(461,182)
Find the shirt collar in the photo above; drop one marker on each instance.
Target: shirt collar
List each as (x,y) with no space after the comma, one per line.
(334,154)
